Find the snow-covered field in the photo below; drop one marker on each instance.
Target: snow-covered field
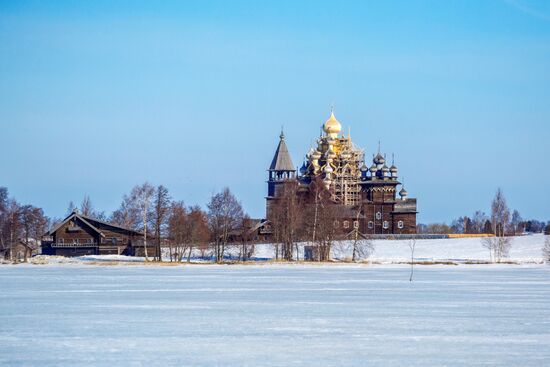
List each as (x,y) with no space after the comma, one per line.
(525,249)
(274,315)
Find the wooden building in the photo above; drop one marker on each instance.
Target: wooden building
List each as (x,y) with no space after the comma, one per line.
(367,196)
(79,235)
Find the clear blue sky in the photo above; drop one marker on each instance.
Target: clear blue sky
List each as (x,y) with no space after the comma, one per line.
(97,96)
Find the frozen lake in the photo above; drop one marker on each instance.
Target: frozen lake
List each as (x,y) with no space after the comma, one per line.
(274,315)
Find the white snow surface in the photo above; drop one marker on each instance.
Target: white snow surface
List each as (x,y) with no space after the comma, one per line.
(274,315)
(525,249)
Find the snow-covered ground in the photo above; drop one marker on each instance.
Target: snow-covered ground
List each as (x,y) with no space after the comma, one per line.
(274,315)
(525,249)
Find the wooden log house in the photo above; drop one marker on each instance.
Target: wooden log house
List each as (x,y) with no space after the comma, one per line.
(79,235)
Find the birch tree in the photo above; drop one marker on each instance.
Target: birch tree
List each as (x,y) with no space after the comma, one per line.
(287,219)
(142,195)
(3,215)
(161,209)
(319,217)
(225,215)
(499,245)
(127,215)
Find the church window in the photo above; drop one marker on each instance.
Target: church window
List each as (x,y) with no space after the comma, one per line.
(346,224)
(378,215)
(400,224)
(371,224)
(355,224)
(336,224)
(386,224)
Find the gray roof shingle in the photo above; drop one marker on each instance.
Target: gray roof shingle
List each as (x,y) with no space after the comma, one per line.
(282,161)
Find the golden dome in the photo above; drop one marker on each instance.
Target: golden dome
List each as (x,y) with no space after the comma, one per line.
(332,126)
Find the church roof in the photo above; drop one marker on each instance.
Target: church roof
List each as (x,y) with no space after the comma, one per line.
(282,161)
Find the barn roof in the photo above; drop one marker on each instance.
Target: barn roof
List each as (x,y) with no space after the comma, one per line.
(90,223)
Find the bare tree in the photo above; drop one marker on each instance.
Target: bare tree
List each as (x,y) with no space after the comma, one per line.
(3,216)
(412,247)
(178,231)
(200,233)
(326,232)
(224,216)
(499,245)
(20,222)
(13,228)
(500,218)
(161,208)
(319,220)
(286,218)
(87,209)
(128,214)
(142,195)
(516,222)
(86,206)
(71,208)
(490,244)
(247,239)
(500,214)
(33,223)
(478,221)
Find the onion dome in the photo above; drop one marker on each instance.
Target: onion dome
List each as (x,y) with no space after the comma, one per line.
(328,169)
(403,193)
(316,154)
(332,126)
(373,169)
(379,159)
(385,171)
(393,169)
(364,167)
(303,169)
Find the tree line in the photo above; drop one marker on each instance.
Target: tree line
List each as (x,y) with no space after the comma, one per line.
(164,222)
(182,230)
(20,222)
(501,223)
(501,219)
(223,226)
(315,223)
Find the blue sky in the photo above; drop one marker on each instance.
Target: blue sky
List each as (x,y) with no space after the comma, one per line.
(97,96)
